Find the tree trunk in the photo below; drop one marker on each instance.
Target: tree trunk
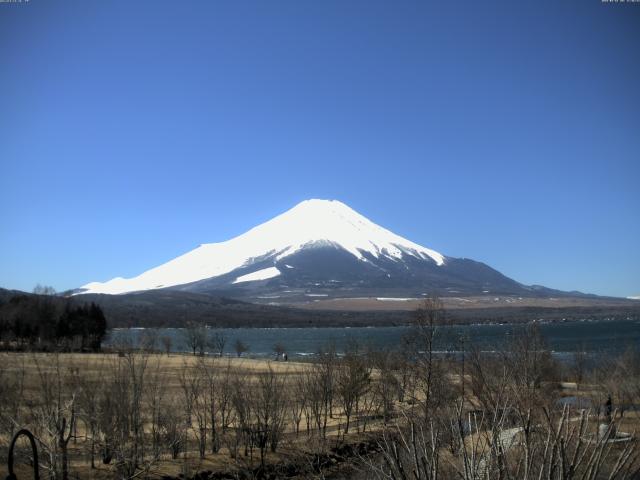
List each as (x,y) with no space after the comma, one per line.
(65,459)
(93,445)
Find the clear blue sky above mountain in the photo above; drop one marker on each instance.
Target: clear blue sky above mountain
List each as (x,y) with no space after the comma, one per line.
(507,132)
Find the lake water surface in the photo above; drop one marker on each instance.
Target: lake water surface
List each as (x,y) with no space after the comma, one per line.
(605,336)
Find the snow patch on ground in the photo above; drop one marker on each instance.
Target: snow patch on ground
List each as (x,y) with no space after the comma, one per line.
(389,299)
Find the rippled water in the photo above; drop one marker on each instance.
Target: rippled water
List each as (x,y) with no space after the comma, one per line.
(608,336)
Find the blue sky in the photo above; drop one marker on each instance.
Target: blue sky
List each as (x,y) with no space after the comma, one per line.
(507,132)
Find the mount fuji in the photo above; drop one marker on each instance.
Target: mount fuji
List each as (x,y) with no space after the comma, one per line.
(321,249)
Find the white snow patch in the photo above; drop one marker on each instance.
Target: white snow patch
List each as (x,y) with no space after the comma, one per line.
(263,274)
(288,266)
(316,294)
(390,299)
(634,297)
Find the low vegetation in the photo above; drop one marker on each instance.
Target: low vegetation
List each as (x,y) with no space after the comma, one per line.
(407,413)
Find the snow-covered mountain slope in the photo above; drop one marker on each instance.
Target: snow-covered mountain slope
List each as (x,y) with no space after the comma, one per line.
(260,253)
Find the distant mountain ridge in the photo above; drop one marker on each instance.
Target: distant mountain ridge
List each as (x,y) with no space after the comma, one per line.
(320,249)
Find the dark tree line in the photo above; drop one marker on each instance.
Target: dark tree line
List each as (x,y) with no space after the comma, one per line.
(45,322)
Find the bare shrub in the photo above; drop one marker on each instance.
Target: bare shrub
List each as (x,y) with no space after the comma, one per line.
(353,378)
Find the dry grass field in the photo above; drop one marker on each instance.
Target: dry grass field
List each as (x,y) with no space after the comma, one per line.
(456,303)
(171,381)
(136,414)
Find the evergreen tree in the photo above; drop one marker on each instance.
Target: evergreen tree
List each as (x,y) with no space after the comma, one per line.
(44,321)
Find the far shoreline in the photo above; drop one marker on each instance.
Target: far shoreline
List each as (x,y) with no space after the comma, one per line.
(402,325)
(312,319)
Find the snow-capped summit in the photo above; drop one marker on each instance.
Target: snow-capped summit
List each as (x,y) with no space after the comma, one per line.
(331,221)
(311,223)
(319,248)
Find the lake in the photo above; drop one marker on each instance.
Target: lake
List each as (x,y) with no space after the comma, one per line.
(597,336)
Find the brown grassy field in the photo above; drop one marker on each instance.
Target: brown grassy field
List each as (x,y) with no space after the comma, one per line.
(169,371)
(471,302)
(156,415)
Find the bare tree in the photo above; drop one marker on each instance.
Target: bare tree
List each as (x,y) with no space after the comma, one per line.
(172,427)
(44,290)
(201,405)
(122,415)
(279,350)
(269,409)
(427,320)
(402,368)
(167,342)
(327,360)
(579,366)
(89,405)
(188,390)
(243,409)
(148,340)
(318,387)
(211,380)
(353,378)
(216,342)
(552,443)
(240,347)
(297,401)
(386,388)
(195,337)
(55,415)
(224,393)
(154,396)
